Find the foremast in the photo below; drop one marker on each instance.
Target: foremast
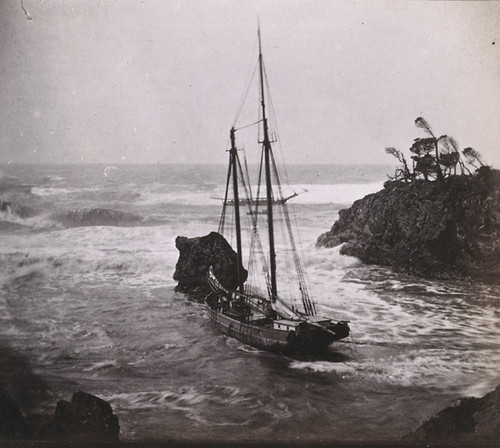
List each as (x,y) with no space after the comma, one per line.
(269,192)
(233,157)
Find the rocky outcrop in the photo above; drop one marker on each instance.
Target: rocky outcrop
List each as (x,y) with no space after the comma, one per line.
(196,255)
(86,418)
(447,229)
(471,421)
(13,425)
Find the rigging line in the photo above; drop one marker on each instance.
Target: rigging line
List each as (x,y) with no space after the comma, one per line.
(300,263)
(248,190)
(248,125)
(300,271)
(259,181)
(306,277)
(308,306)
(243,176)
(247,175)
(256,245)
(244,98)
(275,121)
(285,171)
(289,264)
(229,229)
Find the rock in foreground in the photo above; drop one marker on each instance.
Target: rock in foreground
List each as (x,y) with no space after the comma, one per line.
(196,255)
(13,425)
(85,418)
(472,421)
(447,229)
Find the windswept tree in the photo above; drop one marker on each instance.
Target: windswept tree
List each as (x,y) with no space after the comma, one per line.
(423,161)
(449,161)
(420,122)
(400,173)
(472,157)
(450,156)
(434,157)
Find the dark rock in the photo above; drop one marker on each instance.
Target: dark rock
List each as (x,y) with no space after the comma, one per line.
(471,421)
(18,378)
(85,418)
(13,425)
(196,255)
(448,229)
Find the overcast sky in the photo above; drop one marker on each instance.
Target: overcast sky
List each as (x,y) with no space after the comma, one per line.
(161,80)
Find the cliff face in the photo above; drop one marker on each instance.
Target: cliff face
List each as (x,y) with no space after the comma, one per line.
(448,229)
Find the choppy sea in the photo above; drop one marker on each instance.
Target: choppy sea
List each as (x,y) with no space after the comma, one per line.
(87,299)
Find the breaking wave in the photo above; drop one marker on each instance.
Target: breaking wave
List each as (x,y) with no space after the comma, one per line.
(14,217)
(96,216)
(52,191)
(20,216)
(9,209)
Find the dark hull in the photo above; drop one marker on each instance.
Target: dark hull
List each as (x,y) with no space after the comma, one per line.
(308,340)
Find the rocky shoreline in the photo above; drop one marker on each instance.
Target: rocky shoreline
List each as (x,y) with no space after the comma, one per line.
(471,421)
(447,229)
(85,418)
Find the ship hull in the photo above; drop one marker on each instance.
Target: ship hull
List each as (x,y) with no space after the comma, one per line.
(308,340)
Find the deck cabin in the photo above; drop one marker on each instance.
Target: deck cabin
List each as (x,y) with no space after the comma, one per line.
(284,324)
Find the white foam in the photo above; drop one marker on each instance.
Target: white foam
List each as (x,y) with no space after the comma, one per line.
(342,369)
(51,191)
(101,365)
(36,222)
(178,197)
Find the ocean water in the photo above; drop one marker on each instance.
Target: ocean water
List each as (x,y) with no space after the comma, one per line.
(87,299)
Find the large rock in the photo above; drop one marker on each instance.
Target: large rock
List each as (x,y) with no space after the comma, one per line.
(471,421)
(85,418)
(196,255)
(448,229)
(13,425)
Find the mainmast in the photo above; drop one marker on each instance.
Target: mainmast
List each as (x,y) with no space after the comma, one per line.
(233,157)
(267,161)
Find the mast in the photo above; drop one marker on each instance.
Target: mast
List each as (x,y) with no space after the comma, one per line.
(233,157)
(267,156)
